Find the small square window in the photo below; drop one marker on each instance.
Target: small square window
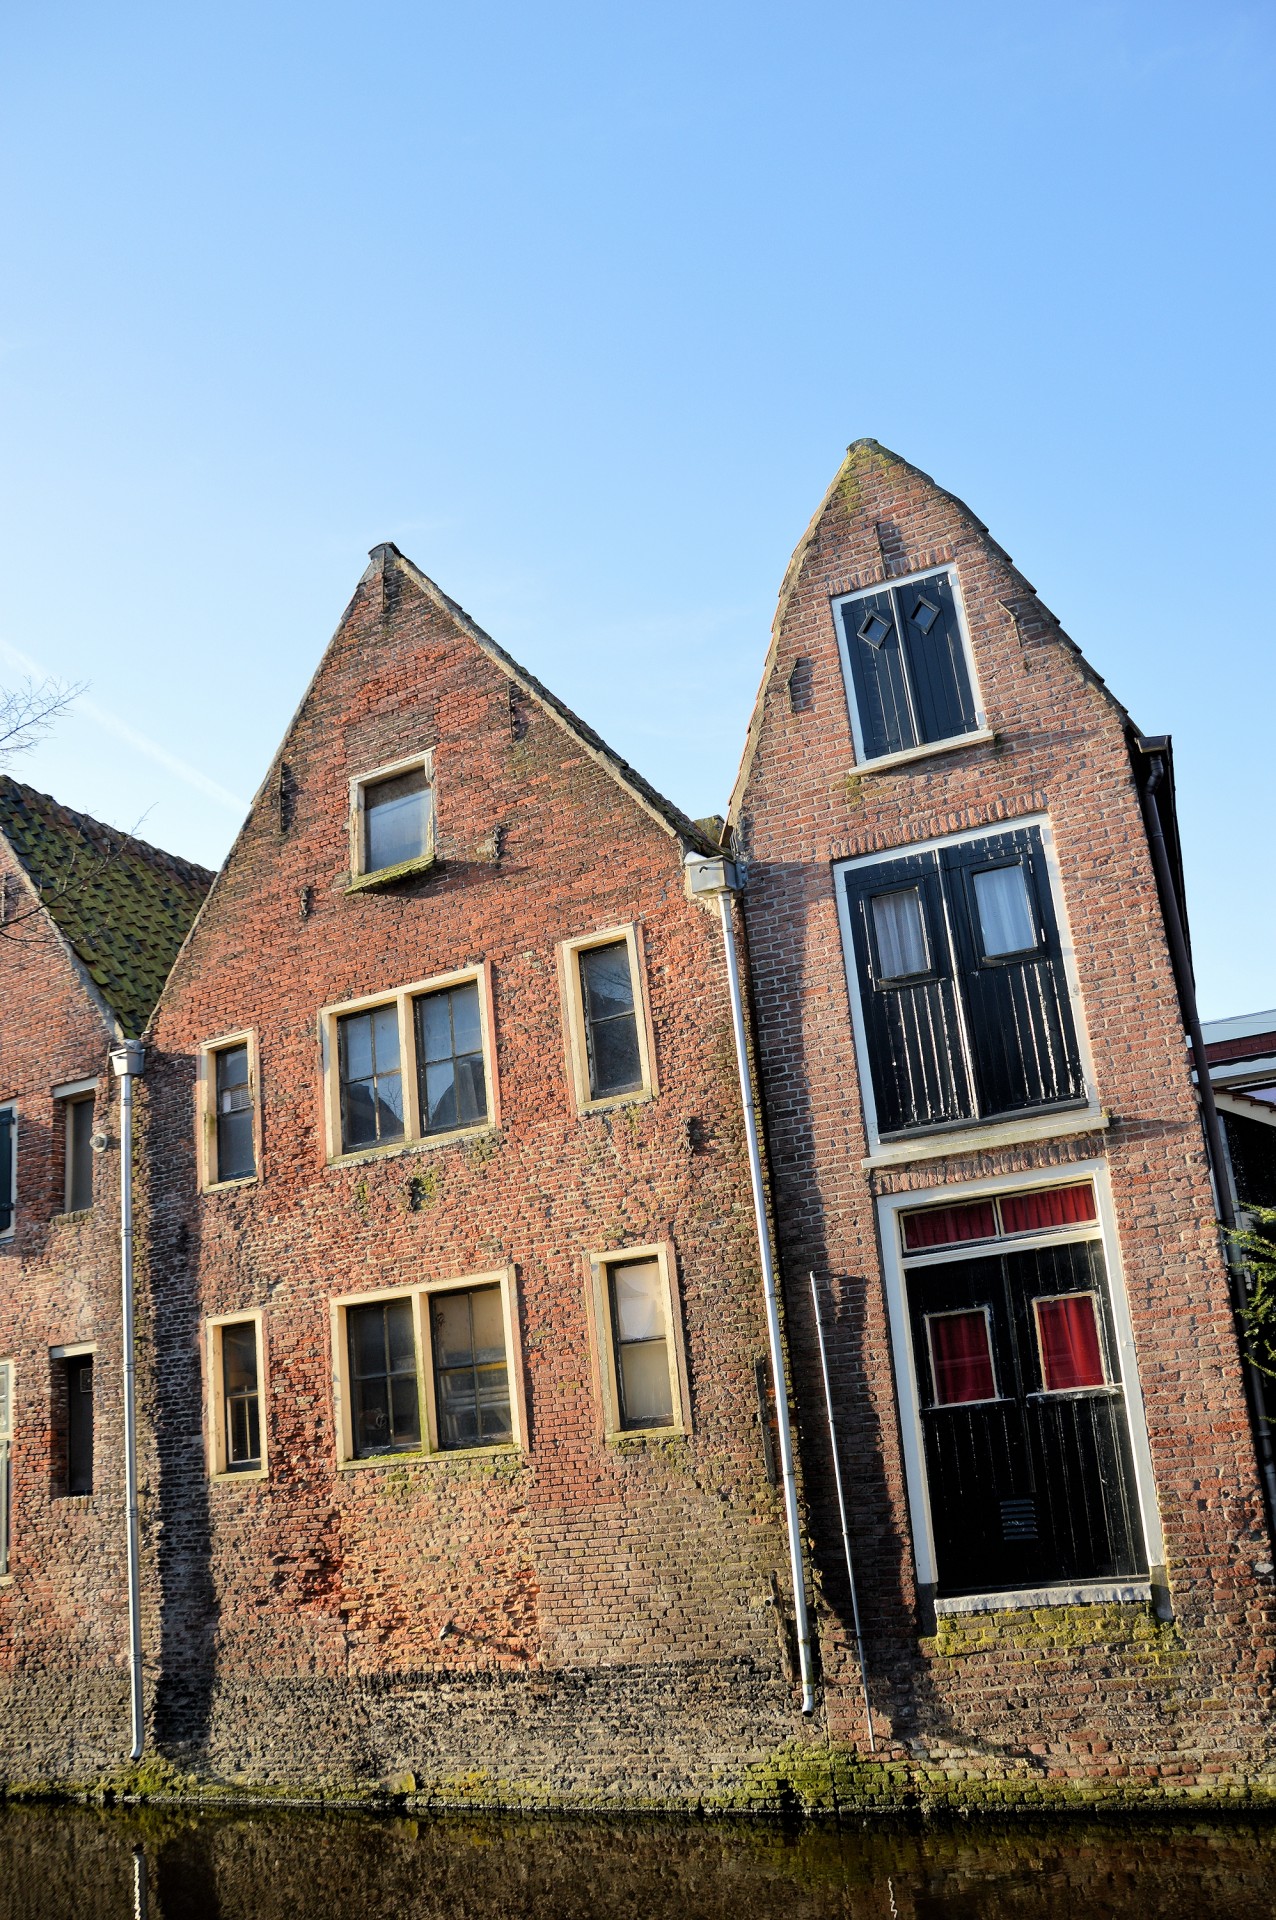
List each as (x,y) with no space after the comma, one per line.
(392,818)
(961,1357)
(634,1304)
(430,1371)
(899,927)
(235,1384)
(606,1018)
(1006,921)
(1068,1339)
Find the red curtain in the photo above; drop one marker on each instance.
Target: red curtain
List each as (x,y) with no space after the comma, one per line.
(947,1226)
(1070,1351)
(1052,1207)
(960,1357)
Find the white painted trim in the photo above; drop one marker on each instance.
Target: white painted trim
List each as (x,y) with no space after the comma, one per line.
(1004,1130)
(83,1350)
(1235,1073)
(887,762)
(1089,1593)
(72,1089)
(1240,1027)
(1259,1111)
(980,731)
(906,1384)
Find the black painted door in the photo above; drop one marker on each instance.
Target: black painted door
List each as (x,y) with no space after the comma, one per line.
(1027,1448)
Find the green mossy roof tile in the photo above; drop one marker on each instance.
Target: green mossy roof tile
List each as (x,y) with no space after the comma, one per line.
(124,907)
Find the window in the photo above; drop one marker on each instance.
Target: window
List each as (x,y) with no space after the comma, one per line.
(235,1396)
(957,966)
(6,1468)
(430,1371)
(609,1045)
(392,819)
(78,1138)
(634,1309)
(228,1110)
(72,1435)
(8,1167)
(908,673)
(415,1066)
(1026,1438)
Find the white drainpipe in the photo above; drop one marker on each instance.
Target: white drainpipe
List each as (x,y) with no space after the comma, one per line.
(705,878)
(128,1061)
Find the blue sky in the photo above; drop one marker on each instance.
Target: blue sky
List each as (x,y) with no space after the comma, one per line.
(580,305)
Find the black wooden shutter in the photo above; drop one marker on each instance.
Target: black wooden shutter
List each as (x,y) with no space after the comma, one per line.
(877,674)
(1019,1018)
(942,699)
(6,1169)
(915,1051)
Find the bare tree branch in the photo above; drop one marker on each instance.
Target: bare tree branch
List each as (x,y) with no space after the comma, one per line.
(28,710)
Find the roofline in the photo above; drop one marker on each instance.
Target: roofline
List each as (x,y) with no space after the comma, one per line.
(1238,1026)
(858,449)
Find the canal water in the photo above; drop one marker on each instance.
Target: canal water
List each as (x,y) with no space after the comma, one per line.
(80,1864)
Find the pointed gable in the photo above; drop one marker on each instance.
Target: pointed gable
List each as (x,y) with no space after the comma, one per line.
(123,906)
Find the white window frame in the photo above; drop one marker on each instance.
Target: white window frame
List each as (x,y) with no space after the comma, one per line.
(979,732)
(952,1313)
(603,1342)
(420,1295)
(73,1093)
(6,1471)
(910,1390)
(360,873)
(574,1026)
(965,1135)
(1069,1393)
(7,1233)
(206,1110)
(414,1138)
(218,1467)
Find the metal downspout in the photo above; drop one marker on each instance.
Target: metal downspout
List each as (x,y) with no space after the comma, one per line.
(126,1062)
(775,1339)
(1215,1148)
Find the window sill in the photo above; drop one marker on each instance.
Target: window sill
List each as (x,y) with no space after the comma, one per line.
(646,1436)
(391,1148)
(1090,1593)
(639,1097)
(886,762)
(979,1139)
(232,1186)
(444,1457)
(7,1579)
(232,1479)
(65,1219)
(390,876)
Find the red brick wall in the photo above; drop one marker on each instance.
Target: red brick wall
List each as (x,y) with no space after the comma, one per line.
(1090,1691)
(63,1683)
(330,1589)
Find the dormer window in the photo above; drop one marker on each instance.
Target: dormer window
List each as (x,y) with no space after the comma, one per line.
(392,820)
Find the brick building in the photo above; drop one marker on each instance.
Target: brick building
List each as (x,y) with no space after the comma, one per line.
(452,1263)
(987,1150)
(90,922)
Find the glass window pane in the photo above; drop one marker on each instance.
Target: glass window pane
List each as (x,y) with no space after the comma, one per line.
(366,1329)
(948,1226)
(356,1046)
(615,1062)
(359,1127)
(239,1357)
(243,1432)
(435,1025)
(396,815)
(389,1106)
(1006,922)
(488,1321)
(235,1155)
(371,1416)
(1052,1207)
(645,1392)
(901,934)
(458,1410)
(385,1027)
(961,1357)
(79,1133)
(466,1024)
(452,1329)
(440,1096)
(232,1071)
(1071,1355)
(471,1090)
(636,1301)
(495,1422)
(400,1336)
(609,989)
(405,1410)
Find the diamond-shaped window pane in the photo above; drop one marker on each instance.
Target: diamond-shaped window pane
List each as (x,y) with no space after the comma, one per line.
(924,615)
(873,628)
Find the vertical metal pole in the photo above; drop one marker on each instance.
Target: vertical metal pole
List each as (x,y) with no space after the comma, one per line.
(841,1508)
(774,1337)
(127,1061)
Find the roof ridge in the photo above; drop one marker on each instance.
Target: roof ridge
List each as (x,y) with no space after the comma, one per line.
(145,847)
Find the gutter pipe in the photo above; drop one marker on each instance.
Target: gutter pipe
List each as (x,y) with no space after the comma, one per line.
(1214,1143)
(841,1508)
(707,877)
(127,1061)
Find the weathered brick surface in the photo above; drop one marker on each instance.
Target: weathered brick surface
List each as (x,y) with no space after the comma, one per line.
(1076,1693)
(299,1631)
(63,1682)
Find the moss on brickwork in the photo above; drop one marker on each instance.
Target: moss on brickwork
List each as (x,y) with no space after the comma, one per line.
(1134,1631)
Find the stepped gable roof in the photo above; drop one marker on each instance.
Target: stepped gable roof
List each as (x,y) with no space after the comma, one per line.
(122,906)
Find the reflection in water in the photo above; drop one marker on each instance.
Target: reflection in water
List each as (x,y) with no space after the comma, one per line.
(77,1864)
